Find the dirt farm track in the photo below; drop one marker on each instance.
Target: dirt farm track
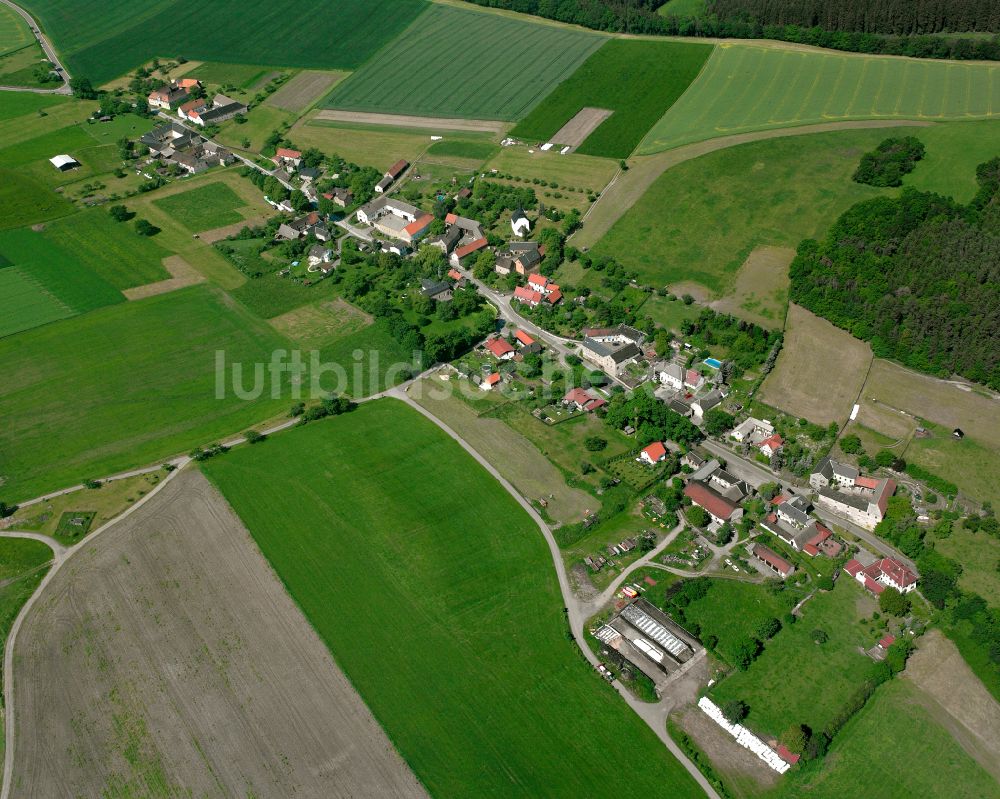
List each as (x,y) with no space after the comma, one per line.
(166,660)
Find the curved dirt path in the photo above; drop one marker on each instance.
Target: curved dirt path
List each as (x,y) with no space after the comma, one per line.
(626,189)
(653,714)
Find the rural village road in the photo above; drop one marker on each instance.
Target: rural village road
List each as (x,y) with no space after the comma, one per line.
(655,715)
(47,48)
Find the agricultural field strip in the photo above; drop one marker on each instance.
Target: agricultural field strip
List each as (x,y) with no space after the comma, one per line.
(404,121)
(14,32)
(580,126)
(407,75)
(25,303)
(746,88)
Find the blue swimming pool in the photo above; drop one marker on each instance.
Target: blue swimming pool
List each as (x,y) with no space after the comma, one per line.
(713,362)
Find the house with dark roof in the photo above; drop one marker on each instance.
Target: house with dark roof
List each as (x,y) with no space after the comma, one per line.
(703,405)
(391,175)
(611,358)
(522,257)
(437,290)
(172,94)
(845,491)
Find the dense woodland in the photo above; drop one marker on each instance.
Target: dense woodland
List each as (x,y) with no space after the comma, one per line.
(887,163)
(640,16)
(892,17)
(916,275)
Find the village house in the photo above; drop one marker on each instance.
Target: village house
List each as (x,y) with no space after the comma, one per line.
(318,254)
(490,382)
(692,460)
(721,509)
(693,379)
(395,218)
(670,374)
(500,348)
(703,405)
(653,453)
(391,175)
(524,339)
(310,224)
(201,112)
(882,574)
(465,253)
(469,228)
(341,197)
(437,290)
(772,560)
(369,213)
(446,241)
(843,490)
(454,274)
(286,158)
(582,400)
(679,406)
(174,144)
(771,445)
(171,94)
(522,257)
(754,430)
(611,358)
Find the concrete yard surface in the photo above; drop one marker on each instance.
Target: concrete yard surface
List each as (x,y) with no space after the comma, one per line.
(166,659)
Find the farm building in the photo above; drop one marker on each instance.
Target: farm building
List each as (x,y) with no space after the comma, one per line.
(391,175)
(522,257)
(703,405)
(201,112)
(500,348)
(753,430)
(582,400)
(720,508)
(461,255)
(286,158)
(772,560)
(171,94)
(490,382)
(670,374)
(842,489)
(64,163)
(883,573)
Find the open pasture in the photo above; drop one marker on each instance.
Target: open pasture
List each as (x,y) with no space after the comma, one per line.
(454,62)
(439,592)
(294,33)
(760,291)
(781,685)
(16,104)
(363,144)
(701,219)
(636,80)
(24,302)
(819,372)
(211,205)
(25,201)
(142,374)
(14,33)
(108,248)
(242,76)
(234,694)
(750,87)
(305,89)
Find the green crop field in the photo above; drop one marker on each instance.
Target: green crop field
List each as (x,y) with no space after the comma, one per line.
(780,686)
(207,207)
(124,386)
(637,80)
(700,220)
(15,104)
(24,302)
(935,762)
(454,62)
(242,76)
(64,140)
(119,35)
(424,591)
(14,33)
(110,249)
(751,87)
(24,201)
(457,148)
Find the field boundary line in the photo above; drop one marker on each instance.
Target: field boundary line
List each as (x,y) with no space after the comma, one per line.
(8,656)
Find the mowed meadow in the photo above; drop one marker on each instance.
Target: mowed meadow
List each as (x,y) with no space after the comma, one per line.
(454,62)
(750,87)
(436,594)
(102,39)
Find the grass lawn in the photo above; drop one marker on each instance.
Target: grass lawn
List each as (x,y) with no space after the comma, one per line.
(43,147)
(749,87)
(459,62)
(373,145)
(242,76)
(514,455)
(970,464)
(732,610)
(935,763)
(25,303)
(438,593)
(371,359)
(204,208)
(979,555)
(669,313)
(269,296)
(14,32)
(124,386)
(110,249)
(25,201)
(571,171)
(796,681)
(294,33)
(637,80)
(701,219)
(16,104)
(466,150)
(760,291)
(261,121)
(954,150)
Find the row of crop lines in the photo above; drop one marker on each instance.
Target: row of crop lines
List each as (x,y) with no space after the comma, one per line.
(420,73)
(746,88)
(24,302)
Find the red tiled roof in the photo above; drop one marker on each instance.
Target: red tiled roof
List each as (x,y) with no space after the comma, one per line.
(524,338)
(450,218)
(499,347)
(852,567)
(821,535)
(866,482)
(772,559)
(524,294)
(655,451)
(478,244)
(692,377)
(493,379)
(810,549)
(896,571)
(787,755)
(187,83)
(774,442)
(191,105)
(779,499)
(419,224)
(397,168)
(284,152)
(886,641)
(874,587)
(703,496)
(594,404)
(454,274)
(554,296)
(538,280)
(887,491)
(577,395)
